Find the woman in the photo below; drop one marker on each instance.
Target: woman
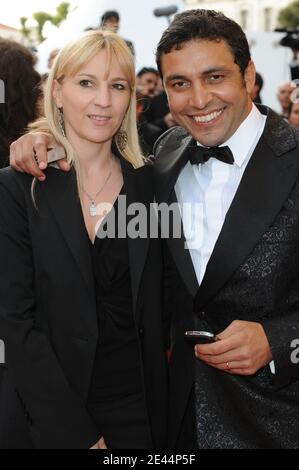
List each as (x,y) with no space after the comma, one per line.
(22,92)
(80,315)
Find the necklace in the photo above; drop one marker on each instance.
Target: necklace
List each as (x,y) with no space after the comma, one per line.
(93,207)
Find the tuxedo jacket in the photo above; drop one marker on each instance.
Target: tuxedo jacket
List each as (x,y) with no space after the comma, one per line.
(252,275)
(48,317)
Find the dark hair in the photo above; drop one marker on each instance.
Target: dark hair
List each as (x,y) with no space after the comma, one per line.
(109,15)
(259,81)
(22,90)
(207,25)
(147,70)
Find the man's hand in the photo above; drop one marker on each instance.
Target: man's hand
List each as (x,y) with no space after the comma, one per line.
(100,445)
(243,349)
(22,155)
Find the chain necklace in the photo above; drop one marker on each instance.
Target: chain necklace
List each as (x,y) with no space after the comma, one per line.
(93,208)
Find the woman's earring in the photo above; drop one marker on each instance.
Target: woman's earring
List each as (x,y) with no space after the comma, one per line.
(122,139)
(61,121)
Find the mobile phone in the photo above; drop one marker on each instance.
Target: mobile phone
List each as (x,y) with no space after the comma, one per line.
(58,153)
(200,337)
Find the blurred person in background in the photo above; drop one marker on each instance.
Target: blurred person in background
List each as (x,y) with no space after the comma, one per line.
(147,81)
(111,21)
(258,86)
(148,132)
(52,56)
(22,93)
(294,114)
(158,114)
(284,98)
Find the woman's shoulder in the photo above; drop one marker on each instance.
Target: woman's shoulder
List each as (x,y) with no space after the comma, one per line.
(13,179)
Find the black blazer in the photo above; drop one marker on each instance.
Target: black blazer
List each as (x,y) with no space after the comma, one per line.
(252,275)
(48,317)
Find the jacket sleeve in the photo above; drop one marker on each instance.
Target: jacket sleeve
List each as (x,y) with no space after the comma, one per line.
(57,416)
(283,336)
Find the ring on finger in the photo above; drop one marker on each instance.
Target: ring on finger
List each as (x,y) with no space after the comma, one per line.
(35,157)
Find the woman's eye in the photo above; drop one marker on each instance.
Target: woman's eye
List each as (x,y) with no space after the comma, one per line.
(119,86)
(85,83)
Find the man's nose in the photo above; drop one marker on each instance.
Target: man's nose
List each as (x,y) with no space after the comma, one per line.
(200,96)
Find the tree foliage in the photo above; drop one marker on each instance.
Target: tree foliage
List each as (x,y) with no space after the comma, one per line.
(41,17)
(289,16)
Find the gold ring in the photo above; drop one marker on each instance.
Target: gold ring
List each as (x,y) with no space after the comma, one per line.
(227,366)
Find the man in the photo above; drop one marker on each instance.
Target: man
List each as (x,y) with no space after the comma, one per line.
(239,277)
(147,81)
(110,20)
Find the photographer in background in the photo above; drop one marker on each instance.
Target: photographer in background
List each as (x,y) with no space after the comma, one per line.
(111,21)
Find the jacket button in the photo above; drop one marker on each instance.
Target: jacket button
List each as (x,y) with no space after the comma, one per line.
(202,314)
(141,332)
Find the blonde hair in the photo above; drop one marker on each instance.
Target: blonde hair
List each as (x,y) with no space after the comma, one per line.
(67,64)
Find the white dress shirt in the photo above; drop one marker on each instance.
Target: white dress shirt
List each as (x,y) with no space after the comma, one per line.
(210,189)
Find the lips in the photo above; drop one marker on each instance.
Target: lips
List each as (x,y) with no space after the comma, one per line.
(207,118)
(98,118)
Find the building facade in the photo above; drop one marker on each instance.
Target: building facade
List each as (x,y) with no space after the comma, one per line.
(252,15)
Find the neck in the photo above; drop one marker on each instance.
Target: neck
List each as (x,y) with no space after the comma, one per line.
(94,158)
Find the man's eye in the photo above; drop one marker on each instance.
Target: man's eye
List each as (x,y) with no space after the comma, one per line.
(215,78)
(180,85)
(85,83)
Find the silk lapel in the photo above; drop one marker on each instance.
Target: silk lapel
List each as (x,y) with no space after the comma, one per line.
(62,196)
(172,157)
(138,189)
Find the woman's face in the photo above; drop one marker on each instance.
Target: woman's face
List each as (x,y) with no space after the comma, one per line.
(94,102)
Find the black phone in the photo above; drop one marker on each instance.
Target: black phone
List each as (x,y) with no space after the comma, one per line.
(200,337)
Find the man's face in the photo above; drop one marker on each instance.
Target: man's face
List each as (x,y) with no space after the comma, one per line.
(111,25)
(148,83)
(206,92)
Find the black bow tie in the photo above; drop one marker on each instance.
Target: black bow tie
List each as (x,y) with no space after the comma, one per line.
(203,154)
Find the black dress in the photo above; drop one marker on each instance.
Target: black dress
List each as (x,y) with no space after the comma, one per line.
(116,399)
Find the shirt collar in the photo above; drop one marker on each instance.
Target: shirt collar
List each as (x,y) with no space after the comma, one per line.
(243,139)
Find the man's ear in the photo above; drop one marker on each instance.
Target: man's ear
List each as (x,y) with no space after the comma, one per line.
(249,77)
(57,95)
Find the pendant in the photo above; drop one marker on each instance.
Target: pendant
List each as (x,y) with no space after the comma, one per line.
(93,210)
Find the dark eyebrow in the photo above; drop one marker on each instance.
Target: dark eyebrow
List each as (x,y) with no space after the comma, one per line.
(175,77)
(205,72)
(215,70)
